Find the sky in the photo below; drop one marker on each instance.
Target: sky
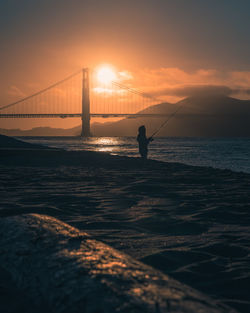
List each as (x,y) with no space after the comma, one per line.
(170,48)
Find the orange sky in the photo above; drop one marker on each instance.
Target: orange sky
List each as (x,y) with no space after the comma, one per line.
(170,49)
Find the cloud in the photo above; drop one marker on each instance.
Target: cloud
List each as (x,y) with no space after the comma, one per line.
(194,90)
(125,75)
(16,92)
(199,90)
(172,84)
(240,78)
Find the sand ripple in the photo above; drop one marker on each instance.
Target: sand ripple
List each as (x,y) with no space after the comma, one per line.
(191,223)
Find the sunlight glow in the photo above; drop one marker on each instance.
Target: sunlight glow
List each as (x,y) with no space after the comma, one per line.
(110,91)
(106,74)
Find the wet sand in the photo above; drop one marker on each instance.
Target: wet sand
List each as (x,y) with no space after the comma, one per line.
(191,223)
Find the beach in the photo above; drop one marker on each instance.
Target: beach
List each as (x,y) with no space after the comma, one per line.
(191,223)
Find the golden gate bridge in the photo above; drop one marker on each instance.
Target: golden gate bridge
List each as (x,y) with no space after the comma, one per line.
(79,96)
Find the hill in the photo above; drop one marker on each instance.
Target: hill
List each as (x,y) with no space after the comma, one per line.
(198,116)
(42,131)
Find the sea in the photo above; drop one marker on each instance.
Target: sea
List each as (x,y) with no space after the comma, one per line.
(222,153)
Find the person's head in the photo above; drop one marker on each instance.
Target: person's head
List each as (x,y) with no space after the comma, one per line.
(142,130)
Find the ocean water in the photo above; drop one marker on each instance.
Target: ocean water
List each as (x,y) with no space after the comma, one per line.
(223,153)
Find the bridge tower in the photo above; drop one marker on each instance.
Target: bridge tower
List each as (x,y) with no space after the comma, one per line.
(85,103)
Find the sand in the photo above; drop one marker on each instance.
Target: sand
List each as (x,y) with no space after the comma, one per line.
(191,223)
(62,269)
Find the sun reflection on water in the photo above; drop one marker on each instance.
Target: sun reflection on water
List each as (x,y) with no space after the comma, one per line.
(106,149)
(107,144)
(122,146)
(106,141)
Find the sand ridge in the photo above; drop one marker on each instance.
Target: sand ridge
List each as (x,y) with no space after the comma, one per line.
(61,269)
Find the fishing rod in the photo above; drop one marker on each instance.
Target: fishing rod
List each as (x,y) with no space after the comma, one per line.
(165,122)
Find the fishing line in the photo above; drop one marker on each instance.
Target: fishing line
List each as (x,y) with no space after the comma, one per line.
(165,122)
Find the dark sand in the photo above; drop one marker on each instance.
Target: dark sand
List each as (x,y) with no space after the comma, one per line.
(61,269)
(190,222)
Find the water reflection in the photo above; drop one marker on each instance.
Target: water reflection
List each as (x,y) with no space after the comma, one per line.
(105,141)
(230,153)
(104,144)
(105,149)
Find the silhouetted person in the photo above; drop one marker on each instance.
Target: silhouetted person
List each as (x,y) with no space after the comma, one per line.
(143,142)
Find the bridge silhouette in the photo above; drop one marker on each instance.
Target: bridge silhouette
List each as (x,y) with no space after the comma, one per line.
(82,96)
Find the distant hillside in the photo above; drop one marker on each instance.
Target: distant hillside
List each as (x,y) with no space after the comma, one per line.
(42,131)
(198,116)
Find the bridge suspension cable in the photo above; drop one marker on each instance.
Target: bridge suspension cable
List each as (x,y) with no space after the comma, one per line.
(64,99)
(135,91)
(41,91)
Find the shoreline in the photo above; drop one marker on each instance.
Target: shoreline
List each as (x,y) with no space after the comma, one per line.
(53,157)
(231,155)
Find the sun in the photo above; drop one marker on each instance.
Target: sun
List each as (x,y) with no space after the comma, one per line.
(106,74)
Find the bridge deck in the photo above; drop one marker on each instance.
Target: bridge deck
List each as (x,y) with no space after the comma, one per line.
(63,115)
